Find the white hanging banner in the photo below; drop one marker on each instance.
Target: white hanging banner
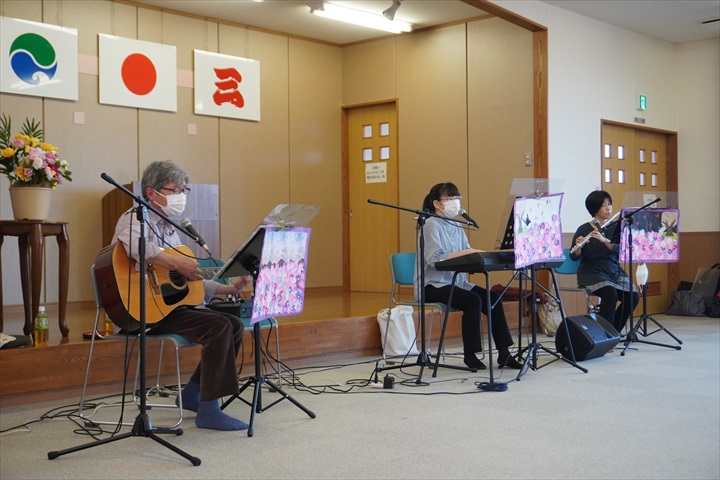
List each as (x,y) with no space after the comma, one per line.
(227,86)
(135,73)
(38,59)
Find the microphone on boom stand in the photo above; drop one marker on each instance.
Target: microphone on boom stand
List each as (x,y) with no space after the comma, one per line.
(467,218)
(185,223)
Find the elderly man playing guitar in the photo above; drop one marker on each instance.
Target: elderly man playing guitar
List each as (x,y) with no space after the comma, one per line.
(164,186)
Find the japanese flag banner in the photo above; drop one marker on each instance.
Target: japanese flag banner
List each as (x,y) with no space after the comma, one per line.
(38,59)
(135,73)
(227,86)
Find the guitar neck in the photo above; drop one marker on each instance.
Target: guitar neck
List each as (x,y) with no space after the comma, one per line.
(208,273)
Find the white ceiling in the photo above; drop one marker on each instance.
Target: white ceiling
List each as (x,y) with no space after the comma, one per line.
(676,21)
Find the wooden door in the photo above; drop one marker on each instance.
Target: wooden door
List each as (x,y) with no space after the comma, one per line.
(372,166)
(636,160)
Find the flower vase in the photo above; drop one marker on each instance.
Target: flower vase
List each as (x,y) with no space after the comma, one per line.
(31,203)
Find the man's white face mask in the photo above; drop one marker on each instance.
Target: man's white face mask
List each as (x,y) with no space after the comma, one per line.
(175,204)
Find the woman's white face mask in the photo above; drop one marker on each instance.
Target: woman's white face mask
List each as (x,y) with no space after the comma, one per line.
(175,204)
(451,208)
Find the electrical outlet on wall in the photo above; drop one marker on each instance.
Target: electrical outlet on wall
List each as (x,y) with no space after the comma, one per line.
(528,160)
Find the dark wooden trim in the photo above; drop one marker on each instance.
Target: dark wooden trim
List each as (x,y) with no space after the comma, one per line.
(345,174)
(540,103)
(500,12)
(635,126)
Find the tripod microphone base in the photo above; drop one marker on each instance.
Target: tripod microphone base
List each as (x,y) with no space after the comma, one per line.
(531,359)
(258,380)
(632,336)
(141,428)
(256,404)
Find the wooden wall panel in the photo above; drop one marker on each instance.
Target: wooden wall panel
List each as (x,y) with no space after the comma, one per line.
(431,81)
(254,156)
(315,159)
(697,250)
(500,122)
(368,72)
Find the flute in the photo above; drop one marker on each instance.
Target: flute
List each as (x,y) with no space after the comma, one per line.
(600,229)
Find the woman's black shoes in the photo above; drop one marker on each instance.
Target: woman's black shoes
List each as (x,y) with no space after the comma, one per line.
(474,363)
(510,362)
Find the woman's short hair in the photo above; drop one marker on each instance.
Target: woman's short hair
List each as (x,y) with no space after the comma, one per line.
(595,201)
(160,172)
(447,189)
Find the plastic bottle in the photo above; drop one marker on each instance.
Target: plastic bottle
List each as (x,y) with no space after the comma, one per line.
(40,336)
(109,326)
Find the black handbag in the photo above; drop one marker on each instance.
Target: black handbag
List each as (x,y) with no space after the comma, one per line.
(714,310)
(687,303)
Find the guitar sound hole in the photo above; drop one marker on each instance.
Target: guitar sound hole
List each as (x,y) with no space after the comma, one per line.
(177,279)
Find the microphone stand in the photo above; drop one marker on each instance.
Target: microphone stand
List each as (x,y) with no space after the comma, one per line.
(423,359)
(142,426)
(632,333)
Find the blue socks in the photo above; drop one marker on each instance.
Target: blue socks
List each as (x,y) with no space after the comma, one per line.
(210,416)
(190,396)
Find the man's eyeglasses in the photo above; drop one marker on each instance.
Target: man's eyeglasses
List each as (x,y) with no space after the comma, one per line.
(177,191)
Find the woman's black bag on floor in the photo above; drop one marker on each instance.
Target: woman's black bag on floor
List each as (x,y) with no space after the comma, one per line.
(687,303)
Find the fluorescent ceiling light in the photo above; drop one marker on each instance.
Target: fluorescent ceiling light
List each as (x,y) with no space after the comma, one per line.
(358,17)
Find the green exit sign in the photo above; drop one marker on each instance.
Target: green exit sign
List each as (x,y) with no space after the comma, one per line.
(642,102)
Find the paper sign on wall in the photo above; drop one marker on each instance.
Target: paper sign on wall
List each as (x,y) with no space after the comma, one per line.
(376,172)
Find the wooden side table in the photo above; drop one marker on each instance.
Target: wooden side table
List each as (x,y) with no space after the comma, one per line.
(31,235)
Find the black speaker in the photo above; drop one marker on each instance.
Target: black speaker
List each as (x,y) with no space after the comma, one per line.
(591,336)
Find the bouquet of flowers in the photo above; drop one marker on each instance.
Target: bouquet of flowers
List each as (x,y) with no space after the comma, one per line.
(27,160)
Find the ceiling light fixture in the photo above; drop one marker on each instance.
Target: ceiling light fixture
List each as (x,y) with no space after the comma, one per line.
(390,12)
(359,17)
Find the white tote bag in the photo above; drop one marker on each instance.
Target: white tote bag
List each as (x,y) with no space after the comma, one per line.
(400,331)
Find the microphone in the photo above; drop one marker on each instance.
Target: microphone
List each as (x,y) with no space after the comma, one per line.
(185,223)
(467,218)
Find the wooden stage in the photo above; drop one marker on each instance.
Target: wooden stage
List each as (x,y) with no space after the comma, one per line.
(334,324)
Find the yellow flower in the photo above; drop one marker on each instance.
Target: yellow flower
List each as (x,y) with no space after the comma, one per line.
(20,172)
(26,159)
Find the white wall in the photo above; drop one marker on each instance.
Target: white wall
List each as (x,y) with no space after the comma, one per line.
(595,71)
(698,119)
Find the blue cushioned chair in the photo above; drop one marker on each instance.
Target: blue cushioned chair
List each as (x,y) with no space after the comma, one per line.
(570,267)
(402,269)
(177,341)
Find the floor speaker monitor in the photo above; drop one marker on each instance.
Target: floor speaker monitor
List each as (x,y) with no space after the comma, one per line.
(591,336)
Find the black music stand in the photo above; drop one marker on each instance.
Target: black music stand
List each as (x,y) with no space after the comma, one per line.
(247,261)
(532,348)
(142,426)
(632,336)
(423,359)
(543,224)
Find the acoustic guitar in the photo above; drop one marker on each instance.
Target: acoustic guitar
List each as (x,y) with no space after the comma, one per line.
(118,282)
